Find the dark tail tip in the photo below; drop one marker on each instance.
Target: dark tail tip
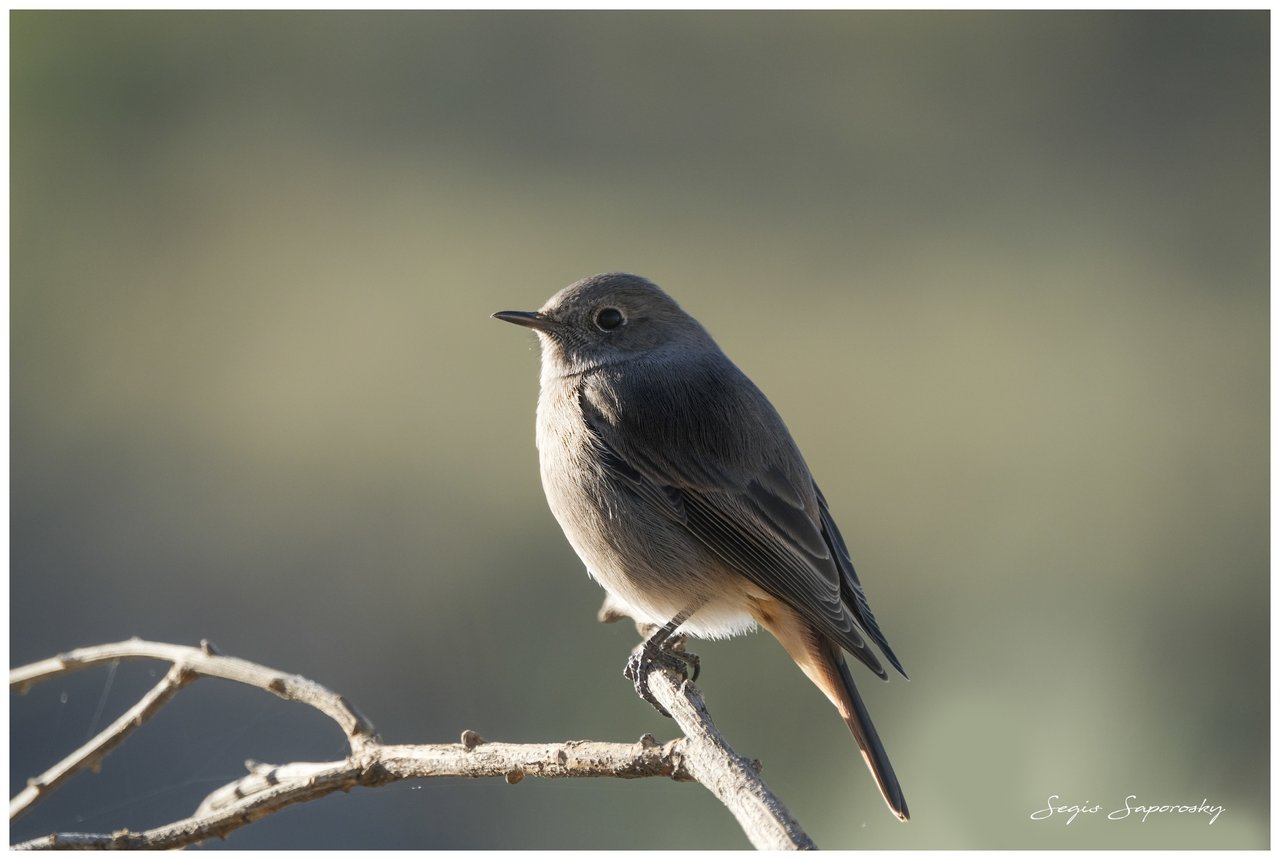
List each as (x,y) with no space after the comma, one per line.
(859,722)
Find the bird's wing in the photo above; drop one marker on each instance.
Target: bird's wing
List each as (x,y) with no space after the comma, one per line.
(855,597)
(693,451)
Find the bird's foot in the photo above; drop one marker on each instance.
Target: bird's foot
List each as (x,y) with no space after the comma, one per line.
(661,654)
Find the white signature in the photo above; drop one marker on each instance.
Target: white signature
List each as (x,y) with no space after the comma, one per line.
(1130,808)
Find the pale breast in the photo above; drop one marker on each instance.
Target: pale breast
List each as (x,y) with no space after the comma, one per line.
(648,563)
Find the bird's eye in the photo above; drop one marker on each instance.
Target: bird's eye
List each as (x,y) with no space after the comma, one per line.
(609,319)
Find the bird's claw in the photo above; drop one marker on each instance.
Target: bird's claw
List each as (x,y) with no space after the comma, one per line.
(666,655)
(694,662)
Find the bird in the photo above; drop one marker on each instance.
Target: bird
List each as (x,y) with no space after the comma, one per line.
(682,491)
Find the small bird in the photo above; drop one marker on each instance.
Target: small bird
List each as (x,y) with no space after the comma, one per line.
(682,491)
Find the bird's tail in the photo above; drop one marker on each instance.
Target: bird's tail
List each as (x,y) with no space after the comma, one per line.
(864,731)
(824,663)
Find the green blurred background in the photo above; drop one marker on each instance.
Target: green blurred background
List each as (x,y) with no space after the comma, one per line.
(1005,275)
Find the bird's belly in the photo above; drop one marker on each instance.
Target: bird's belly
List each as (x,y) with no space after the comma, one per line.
(651,565)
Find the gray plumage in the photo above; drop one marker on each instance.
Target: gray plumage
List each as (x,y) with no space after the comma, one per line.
(680,488)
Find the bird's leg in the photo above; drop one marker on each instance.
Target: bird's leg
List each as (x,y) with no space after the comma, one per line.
(612,611)
(666,649)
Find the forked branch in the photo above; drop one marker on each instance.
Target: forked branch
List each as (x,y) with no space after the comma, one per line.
(702,755)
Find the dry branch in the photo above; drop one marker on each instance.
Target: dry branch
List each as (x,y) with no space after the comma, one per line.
(702,755)
(90,754)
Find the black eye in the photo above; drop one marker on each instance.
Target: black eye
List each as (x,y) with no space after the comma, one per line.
(609,319)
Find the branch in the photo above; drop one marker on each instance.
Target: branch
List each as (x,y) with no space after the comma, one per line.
(207,662)
(734,781)
(702,755)
(90,754)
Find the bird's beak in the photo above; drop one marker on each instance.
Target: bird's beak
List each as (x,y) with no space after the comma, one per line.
(529,319)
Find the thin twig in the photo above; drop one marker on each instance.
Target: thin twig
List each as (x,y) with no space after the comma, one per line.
(90,754)
(203,661)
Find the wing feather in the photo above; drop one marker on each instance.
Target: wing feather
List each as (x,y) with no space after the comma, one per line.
(757,510)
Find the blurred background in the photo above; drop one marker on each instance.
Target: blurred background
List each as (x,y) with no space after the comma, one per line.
(1005,275)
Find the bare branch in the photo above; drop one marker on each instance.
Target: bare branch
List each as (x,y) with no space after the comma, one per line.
(91,753)
(702,755)
(708,759)
(269,789)
(203,661)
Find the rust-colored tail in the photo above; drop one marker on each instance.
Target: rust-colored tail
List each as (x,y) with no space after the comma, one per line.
(823,661)
(864,731)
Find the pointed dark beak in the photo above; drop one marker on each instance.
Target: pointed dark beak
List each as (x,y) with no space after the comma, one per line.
(529,319)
